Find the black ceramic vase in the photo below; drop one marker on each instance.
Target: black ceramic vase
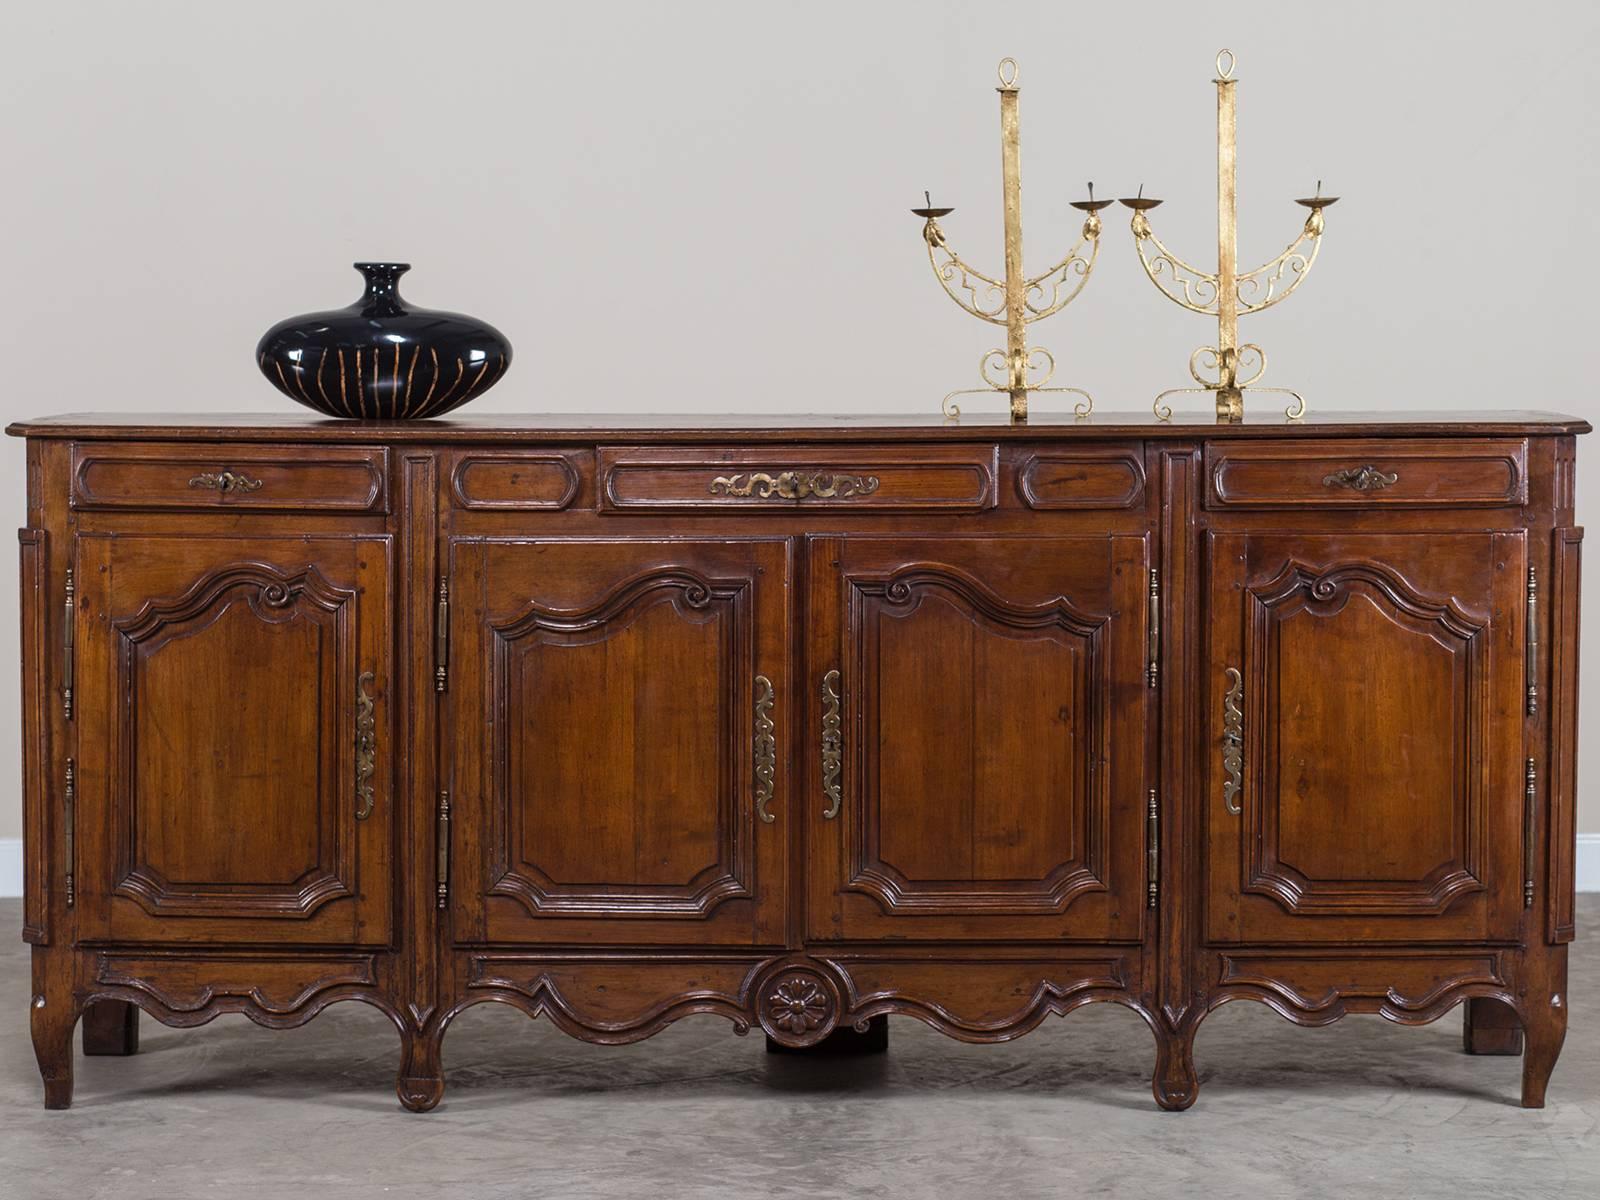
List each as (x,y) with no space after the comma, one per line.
(382,359)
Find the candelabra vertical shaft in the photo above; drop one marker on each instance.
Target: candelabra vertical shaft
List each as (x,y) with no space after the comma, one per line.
(1011,181)
(1230,400)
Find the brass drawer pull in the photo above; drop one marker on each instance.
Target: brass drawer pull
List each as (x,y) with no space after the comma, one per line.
(795,485)
(1233,740)
(1365,478)
(832,744)
(366,746)
(225,481)
(766,748)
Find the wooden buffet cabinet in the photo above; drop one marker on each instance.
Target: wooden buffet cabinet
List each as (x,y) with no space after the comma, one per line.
(799,724)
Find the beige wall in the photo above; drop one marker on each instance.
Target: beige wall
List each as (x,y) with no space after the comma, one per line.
(691,207)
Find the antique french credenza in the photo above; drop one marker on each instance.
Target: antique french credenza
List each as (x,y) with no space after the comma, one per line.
(799,723)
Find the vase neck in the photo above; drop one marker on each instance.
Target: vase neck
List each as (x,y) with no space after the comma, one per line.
(382,297)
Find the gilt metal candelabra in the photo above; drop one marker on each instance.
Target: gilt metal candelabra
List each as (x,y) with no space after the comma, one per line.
(1015,301)
(1228,294)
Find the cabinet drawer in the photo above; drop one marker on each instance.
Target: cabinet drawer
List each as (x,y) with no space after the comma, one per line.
(1443,473)
(157,475)
(856,478)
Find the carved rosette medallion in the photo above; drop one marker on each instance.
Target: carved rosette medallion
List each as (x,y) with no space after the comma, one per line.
(797,1006)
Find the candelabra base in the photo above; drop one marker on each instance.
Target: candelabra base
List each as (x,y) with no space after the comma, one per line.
(1230,402)
(1019,401)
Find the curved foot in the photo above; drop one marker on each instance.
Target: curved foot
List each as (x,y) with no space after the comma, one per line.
(420,1084)
(1544,1031)
(53,1020)
(1175,1083)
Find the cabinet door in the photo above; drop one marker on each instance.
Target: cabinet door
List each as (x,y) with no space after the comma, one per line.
(1364,778)
(619,712)
(233,738)
(978,737)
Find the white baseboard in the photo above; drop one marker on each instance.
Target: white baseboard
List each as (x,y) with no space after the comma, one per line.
(10,868)
(1588,872)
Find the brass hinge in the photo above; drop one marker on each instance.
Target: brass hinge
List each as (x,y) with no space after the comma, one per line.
(441,636)
(69,831)
(1154,647)
(68,635)
(442,870)
(1152,839)
(1531,816)
(1532,641)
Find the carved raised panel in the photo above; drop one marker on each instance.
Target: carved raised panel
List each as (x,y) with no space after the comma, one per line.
(228,745)
(981,722)
(593,818)
(1365,739)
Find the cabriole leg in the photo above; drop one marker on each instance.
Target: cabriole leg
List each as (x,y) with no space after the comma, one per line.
(1546,1029)
(1175,1083)
(111,1027)
(420,1085)
(53,1017)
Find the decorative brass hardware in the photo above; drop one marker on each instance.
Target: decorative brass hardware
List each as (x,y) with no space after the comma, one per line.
(69,827)
(794,485)
(68,637)
(1152,836)
(1530,815)
(766,748)
(225,482)
(1532,642)
(441,636)
(1365,478)
(832,744)
(1154,647)
(1233,740)
(366,746)
(442,867)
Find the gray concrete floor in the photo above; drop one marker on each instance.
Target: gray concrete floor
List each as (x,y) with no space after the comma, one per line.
(1360,1109)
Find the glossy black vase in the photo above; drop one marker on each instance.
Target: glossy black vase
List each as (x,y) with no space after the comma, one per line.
(382,359)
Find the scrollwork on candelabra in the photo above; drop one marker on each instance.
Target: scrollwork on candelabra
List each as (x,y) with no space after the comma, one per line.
(1227,293)
(1015,301)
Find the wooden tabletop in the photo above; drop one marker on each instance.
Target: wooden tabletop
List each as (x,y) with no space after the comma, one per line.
(666,427)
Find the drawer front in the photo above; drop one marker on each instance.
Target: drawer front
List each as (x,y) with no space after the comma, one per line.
(855,478)
(1442,473)
(515,479)
(266,478)
(1082,477)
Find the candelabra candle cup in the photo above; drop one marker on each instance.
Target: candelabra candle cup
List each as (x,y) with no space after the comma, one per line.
(1013,299)
(1230,367)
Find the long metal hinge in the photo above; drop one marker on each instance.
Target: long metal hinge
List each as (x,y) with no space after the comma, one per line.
(1531,816)
(68,636)
(442,868)
(1154,647)
(1532,641)
(441,636)
(68,828)
(1152,849)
